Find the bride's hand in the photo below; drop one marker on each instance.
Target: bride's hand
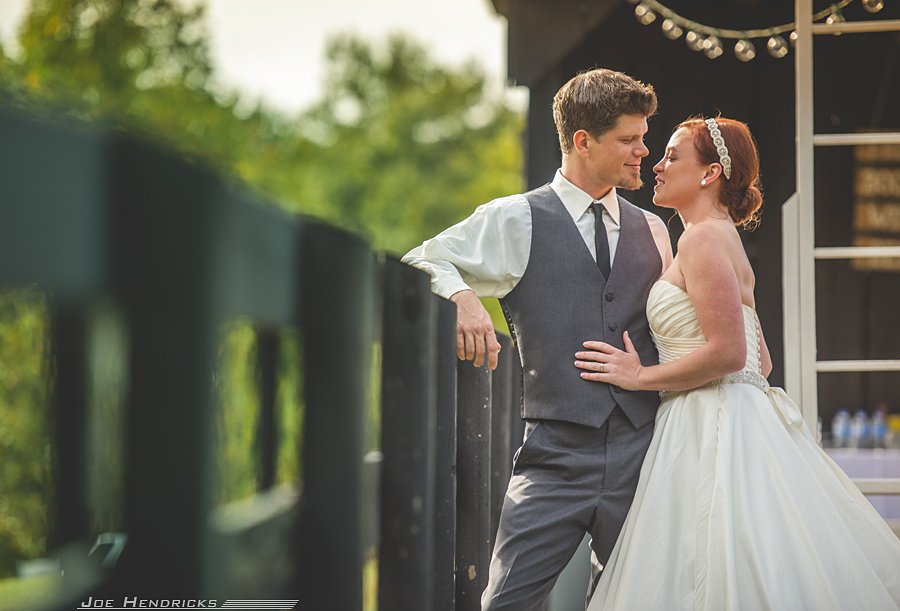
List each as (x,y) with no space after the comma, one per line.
(602,362)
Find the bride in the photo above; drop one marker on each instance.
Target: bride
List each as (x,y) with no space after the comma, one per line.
(737,506)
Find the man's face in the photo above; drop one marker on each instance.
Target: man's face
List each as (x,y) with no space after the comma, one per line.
(615,157)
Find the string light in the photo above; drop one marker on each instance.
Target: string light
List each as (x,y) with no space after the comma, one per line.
(708,39)
(744,50)
(712,46)
(777,47)
(873,6)
(644,14)
(835,17)
(671,30)
(694,41)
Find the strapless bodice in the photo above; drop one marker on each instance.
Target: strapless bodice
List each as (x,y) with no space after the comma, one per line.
(676,329)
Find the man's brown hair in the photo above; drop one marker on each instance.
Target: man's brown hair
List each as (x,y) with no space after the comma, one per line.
(594,101)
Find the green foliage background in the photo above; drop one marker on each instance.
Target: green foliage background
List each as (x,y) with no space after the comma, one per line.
(398,148)
(24,432)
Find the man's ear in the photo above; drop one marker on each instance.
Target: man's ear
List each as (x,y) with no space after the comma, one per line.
(581,141)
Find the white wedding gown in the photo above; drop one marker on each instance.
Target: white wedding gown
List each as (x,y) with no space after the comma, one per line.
(737,506)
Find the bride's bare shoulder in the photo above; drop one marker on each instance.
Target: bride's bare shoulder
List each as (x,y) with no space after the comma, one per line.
(708,237)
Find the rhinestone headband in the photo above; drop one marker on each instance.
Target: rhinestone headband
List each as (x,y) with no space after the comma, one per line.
(721,149)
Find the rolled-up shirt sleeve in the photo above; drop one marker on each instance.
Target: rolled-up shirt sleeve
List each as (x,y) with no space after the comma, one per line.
(487,252)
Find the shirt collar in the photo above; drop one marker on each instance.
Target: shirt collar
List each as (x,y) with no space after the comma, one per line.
(577,201)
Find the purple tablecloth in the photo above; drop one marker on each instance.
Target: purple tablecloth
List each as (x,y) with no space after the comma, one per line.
(872,463)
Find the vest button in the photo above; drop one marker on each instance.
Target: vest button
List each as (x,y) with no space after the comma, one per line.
(611,326)
(609,297)
(616,389)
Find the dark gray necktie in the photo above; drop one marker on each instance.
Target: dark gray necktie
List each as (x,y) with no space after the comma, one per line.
(601,241)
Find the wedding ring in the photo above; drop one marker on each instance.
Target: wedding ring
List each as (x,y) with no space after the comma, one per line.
(602,367)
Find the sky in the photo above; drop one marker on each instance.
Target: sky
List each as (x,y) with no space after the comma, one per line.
(273,50)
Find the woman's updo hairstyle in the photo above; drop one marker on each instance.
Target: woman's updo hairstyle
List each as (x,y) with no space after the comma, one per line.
(741,191)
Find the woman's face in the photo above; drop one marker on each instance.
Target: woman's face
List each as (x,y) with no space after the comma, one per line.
(679,172)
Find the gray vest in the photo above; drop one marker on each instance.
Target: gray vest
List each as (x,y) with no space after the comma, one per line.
(563,300)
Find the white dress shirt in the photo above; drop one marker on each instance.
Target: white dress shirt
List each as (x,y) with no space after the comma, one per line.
(488,252)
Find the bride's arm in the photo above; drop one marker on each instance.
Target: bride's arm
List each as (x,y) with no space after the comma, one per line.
(713,287)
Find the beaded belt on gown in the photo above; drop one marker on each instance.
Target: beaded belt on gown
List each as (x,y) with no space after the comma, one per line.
(738,377)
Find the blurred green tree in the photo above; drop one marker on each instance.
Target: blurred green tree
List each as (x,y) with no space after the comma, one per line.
(140,64)
(406,147)
(397,148)
(24,432)
(100,55)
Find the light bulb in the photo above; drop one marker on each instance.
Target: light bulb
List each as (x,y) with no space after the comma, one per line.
(793,38)
(777,47)
(835,17)
(873,6)
(671,30)
(694,41)
(712,46)
(644,14)
(744,50)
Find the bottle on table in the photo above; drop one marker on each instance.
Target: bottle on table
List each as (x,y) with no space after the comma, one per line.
(879,429)
(892,437)
(840,428)
(859,430)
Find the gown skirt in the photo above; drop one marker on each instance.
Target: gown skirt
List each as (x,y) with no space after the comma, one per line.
(737,506)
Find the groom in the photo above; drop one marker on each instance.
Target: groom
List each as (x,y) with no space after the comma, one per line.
(568,260)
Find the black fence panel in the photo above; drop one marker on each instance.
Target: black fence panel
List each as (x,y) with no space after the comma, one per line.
(338,306)
(174,254)
(445,461)
(473,485)
(54,219)
(408,424)
(163,238)
(70,418)
(267,346)
(501,440)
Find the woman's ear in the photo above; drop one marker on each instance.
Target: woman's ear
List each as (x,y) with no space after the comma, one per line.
(713,171)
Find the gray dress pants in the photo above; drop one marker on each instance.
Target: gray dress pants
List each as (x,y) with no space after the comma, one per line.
(567,479)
